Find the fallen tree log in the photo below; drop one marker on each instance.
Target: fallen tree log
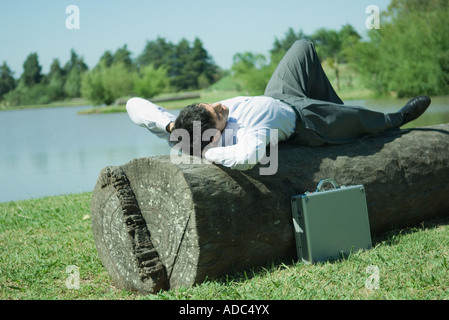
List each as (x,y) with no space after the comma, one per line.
(159,225)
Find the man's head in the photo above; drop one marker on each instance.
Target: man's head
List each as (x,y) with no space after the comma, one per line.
(210,116)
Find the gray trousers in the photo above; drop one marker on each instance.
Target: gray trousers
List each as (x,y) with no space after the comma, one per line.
(300,81)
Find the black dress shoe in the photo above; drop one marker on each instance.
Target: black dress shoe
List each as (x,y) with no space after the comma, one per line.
(414,108)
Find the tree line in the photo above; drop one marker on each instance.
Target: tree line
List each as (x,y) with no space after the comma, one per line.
(33,87)
(408,55)
(162,66)
(254,70)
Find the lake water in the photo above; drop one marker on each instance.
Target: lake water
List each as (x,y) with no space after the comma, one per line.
(53,151)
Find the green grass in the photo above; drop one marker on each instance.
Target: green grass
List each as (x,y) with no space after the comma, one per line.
(205,96)
(350,88)
(350,85)
(40,238)
(75,102)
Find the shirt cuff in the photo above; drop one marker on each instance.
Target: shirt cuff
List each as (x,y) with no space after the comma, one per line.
(147,114)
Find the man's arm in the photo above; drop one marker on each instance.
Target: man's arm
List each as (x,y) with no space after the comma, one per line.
(151,116)
(242,156)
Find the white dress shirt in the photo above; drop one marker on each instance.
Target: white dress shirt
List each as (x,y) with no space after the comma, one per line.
(151,116)
(253,123)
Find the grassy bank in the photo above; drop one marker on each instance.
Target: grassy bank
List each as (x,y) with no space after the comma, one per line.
(40,238)
(205,96)
(65,103)
(349,86)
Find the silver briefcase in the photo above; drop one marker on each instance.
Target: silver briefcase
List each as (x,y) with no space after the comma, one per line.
(330,223)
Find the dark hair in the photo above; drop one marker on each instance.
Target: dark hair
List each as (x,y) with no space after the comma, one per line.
(185,119)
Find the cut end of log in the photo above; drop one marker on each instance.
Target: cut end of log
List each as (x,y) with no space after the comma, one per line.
(141,223)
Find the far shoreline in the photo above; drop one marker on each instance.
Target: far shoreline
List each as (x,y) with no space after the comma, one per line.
(174,100)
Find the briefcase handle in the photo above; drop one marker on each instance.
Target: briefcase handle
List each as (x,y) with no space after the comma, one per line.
(326,180)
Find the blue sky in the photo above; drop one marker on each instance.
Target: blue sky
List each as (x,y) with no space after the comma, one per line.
(225,27)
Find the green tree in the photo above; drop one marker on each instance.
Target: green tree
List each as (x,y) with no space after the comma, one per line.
(206,72)
(412,48)
(72,85)
(157,53)
(106,59)
(364,56)
(74,62)
(74,69)
(280,46)
(31,71)
(123,56)
(7,81)
(252,72)
(36,88)
(182,73)
(332,46)
(118,81)
(188,66)
(31,88)
(151,81)
(92,87)
(55,81)
(55,69)
(104,85)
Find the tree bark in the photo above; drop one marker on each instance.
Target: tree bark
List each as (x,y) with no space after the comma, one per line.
(160,225)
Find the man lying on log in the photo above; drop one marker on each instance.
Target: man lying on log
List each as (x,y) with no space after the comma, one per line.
(299,106)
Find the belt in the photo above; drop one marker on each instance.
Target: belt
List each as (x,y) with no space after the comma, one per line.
(298,120)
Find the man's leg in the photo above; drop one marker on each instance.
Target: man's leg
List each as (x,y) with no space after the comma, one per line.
(300,81)
(325,122)
(300,74)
